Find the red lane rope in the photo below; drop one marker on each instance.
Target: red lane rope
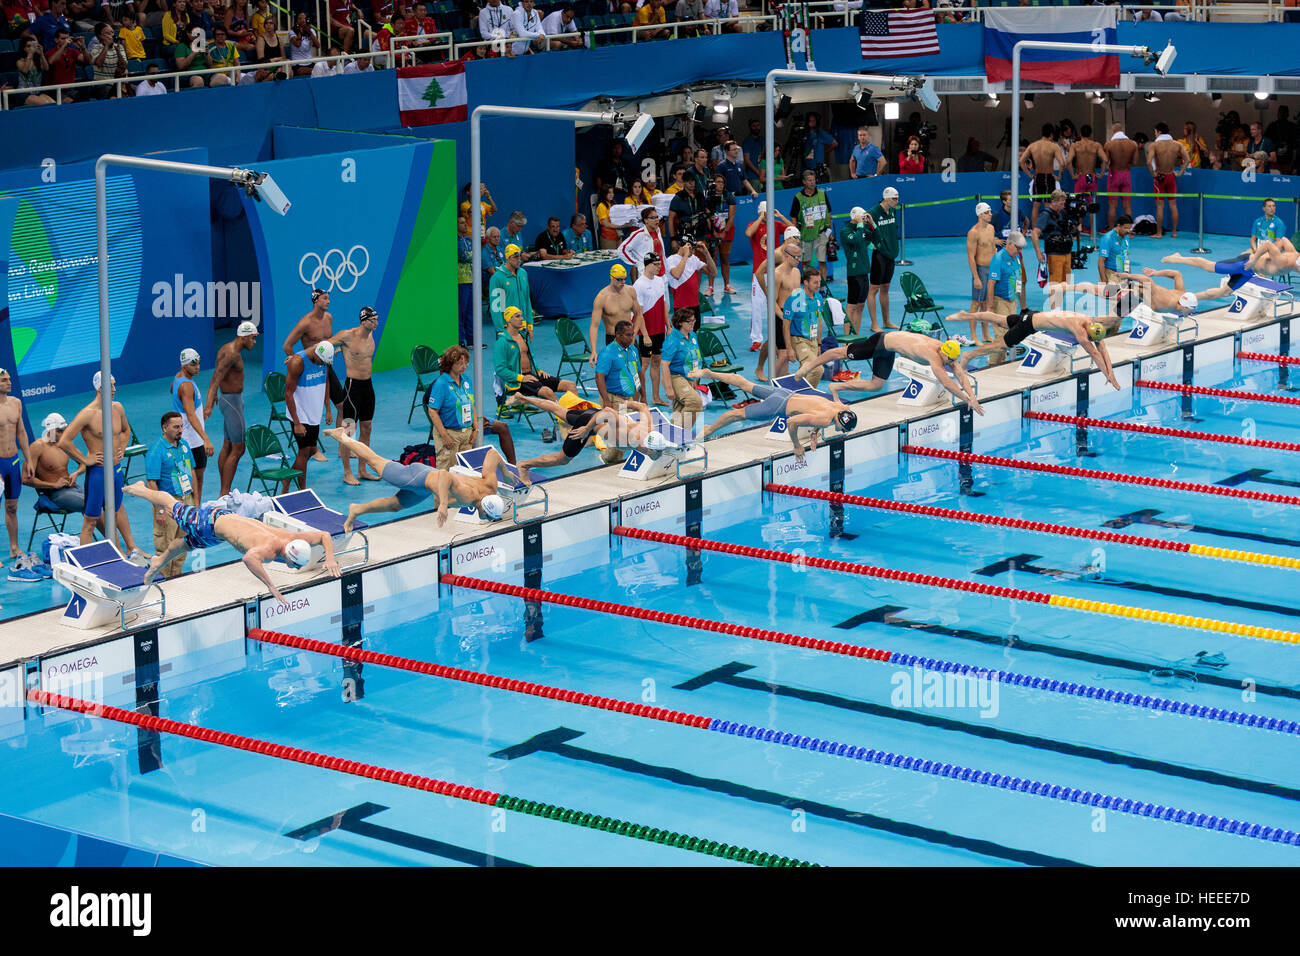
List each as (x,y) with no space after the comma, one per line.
(1144,429)
(967,457)
(1269,357)
(1217,392)
(930,511)
(253,745)
(364,656)
(661,617)
(766,554)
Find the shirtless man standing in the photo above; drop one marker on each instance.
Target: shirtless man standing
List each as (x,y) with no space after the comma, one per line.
(883,347)
(50,465)
(1168,158)
(13,438)
(788,278)
(614,303)
(316,325)
(981,245)
(1087,331)
(227,388)
(1121,154)
(89,424)
(1087,161)
(1040,159)
(356,399)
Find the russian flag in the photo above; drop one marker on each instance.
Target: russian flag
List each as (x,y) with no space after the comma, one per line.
(1005,27)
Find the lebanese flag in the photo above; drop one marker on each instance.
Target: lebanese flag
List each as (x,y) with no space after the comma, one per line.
(1090,25)
(434,93)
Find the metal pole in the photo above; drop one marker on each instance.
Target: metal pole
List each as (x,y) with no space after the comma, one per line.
(769,123)
(902,237)
(1200,224)
(476,227)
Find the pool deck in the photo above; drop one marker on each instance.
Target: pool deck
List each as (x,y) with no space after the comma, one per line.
(41,633)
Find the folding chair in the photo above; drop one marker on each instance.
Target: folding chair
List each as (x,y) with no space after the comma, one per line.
(279,420)
(262,443)
(425,362)
(568,333)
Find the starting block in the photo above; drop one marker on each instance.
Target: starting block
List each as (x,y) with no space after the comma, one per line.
(1156,328)
(683,449)
(923,389)
(1052,353)
(304,511)
(1256,295)
(105,586)
(516,492)
(800,386)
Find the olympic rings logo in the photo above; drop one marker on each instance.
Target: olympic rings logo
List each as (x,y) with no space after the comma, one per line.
(336,267)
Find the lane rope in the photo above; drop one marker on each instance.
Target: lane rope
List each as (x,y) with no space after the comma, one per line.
(414,781)
(998,521)
(819,745)
(1144,429)
(1217,392)
(1116,476)
(974,587)
(1272,357)
(939,665)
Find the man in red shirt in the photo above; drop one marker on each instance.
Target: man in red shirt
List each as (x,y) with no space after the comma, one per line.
(683,275)
(644,241)
(652,294)
(756,232)
(419,23)
(64,57)
(341,12)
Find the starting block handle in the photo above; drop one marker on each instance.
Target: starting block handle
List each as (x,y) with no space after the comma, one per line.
(702,458)
(161,604)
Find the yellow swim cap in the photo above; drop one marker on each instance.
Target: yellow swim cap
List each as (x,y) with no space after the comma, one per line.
(617,271)
(1096,331)
(511,311)
(950,350)
(512,250)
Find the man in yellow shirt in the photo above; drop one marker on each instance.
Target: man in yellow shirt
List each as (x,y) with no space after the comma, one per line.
(652,11)
(132,36)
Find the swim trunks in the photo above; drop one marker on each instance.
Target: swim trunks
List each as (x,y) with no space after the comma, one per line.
(358,401)
(95,489)
(771,402)
(198,524)
(1019,327)
(409,479)
(1166,183)
(577,418)
(1044,184)
(882,359)
(1119,181)
(232,416)
(11,473)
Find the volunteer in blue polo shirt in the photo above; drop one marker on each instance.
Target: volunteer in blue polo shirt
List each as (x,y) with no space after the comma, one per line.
(618,368)
(451,407)
(1112,251)
(169,467)
(576,237)
(803,311)
(1267,227)
(681,354)
(1006,283)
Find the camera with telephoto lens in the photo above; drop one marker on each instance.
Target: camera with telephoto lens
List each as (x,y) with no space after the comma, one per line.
(1076,207)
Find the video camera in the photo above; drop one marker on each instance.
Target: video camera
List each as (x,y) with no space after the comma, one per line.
(1077,206)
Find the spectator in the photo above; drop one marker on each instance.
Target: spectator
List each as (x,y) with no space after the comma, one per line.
(304,43)
(200,16)
(327,67)
(722,213)
(151,85)
(722,136)
(526,24)
(64,58)
(269,49)
(21,15)
(684,267)
(47,24)
(684,213)
(259,17)
(615,171)
(1194,144)
(699,171)
(494,256)
(560,29)
(108,58)
(1216,159)
(811,212)
(1236,149)
(509,289)
(816,140)
(681,354)
(576,237)
(728,10)
(419,24)
(494,21)
(975,160)
(779,175)
(551,244)
(912,160)
(450,407)
(651,12)
(733,171)
(175,23)
(651,184)
(689,11)
(636,195)
(32,68)
(238,26)
(132,37)
(486,204)
(679,177)
(514,234)
(465,279)
(1283,134)
(1259,143)
(608,231)
(866,160)
(1140,15)
(189,56)
(752,148)
(169,467)
(1259,162)
(222,53)
(341,14)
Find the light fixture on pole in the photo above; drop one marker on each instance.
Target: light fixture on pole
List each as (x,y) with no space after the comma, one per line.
(860,96)
(1151,98)
(721,106)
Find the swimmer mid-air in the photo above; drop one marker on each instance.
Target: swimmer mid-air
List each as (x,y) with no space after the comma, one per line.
(1087,331)
(615,428)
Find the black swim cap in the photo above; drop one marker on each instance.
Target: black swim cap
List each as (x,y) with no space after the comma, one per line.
(847,420)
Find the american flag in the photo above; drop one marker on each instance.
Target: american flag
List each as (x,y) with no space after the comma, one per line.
(894,33)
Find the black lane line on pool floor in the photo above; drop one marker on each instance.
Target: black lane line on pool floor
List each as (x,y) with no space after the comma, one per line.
(1256,476)
(1024,562)
(352,821)
(1148,516)
(729,674)
(888,614)
(557,742)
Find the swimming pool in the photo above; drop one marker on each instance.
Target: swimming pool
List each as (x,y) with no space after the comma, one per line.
(1101,738)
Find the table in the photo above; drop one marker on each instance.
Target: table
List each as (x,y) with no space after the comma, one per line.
(564,287)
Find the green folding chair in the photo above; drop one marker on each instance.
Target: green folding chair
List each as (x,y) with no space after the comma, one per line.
(717,325)
(574,350)
(262,443)
(425,362)
(917,301)
(279,420)
(137,449)
(712,352)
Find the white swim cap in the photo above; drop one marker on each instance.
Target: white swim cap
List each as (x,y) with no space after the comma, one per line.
(790,233)
(189,356)
(982,208)
(97,380)
(494,506)
(857,212)
(889,193)
(53,422)
(246,328)
(656,442)
(325,351)
(297,553)
(1188,301)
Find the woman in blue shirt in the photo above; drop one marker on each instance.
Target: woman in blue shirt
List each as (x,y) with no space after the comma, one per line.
(681,353)
(451,407)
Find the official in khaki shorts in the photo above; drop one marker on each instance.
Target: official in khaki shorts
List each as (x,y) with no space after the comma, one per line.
(681,354)
(803,315)
(1006,282)
(169,467)
(451,407)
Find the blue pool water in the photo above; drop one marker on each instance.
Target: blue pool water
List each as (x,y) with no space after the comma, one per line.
(222,806)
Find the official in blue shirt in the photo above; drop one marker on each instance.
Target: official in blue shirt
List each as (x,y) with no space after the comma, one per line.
(803,311)
(1267,227)
(733,170)
(451,407)
(814,145)
(1006,282)
(1112,251)
(618,367)
(576,236)
(681,354)
(169,467)
(866,157)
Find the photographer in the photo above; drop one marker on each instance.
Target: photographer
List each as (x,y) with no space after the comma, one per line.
(815,143)
(686,213)
(64,58)
(722,219)
(912,160)
(1055,231)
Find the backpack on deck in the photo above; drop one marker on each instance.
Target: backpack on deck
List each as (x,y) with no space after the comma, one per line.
(424,453)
